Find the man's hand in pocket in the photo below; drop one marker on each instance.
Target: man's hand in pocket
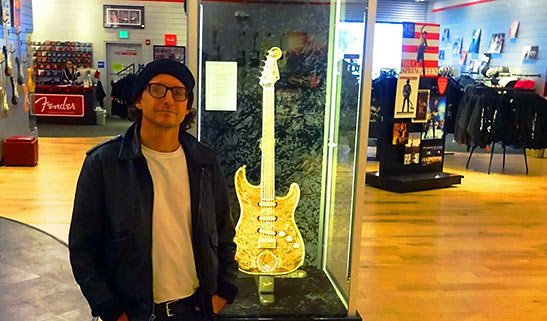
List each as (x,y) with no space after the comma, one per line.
(218,303)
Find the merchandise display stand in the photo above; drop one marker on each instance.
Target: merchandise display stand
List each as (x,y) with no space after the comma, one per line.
(428,173)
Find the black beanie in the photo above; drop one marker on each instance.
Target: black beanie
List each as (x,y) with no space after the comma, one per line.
(162,66)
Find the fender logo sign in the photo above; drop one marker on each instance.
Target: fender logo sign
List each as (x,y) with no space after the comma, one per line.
(59,105)
(170,39)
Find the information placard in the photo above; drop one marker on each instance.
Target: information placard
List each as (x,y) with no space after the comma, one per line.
(221,86)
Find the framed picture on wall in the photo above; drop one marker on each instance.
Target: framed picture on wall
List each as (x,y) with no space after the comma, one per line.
(177,53)
(123,16)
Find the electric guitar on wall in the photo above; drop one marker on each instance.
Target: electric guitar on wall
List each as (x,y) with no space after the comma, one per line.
(268,240)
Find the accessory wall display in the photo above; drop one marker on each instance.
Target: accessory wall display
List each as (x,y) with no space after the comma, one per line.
(50,57)
(406,167)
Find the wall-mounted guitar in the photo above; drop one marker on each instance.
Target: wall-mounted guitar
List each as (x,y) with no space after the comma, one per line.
(7,59)
(268,240)
(8,70)
(3,94)
(20,62)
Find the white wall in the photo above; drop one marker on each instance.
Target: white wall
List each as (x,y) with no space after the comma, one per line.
(82,20)
(496,17)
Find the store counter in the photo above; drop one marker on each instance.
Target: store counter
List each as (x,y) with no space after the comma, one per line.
(69,105)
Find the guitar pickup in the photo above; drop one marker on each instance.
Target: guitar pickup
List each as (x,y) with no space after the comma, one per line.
(268,243)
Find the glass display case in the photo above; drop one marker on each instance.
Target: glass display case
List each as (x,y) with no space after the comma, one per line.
(280,101)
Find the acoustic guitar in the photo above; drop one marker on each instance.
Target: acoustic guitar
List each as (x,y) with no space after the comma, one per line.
(268,240)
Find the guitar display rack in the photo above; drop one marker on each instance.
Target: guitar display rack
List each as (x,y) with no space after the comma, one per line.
(266,285)
(393,174)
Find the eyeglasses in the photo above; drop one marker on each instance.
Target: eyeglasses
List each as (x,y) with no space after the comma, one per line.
(157,90)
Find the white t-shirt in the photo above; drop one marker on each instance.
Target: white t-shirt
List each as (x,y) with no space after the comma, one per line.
(173,266)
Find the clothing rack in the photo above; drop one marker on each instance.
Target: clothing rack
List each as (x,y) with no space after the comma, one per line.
(500,91)
(492,155)
(519,75)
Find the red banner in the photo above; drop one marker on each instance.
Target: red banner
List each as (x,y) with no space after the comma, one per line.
(59,105)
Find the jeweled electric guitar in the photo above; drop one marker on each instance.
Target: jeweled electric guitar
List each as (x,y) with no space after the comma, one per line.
(268,240)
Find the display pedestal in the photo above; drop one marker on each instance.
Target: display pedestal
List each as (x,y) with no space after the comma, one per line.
(413,182)
(301,299)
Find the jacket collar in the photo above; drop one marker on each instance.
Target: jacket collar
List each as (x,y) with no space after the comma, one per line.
(194,151)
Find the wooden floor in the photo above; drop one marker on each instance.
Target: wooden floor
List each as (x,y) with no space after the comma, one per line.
(473,252)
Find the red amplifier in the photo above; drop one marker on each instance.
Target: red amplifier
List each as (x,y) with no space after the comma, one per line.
(21,151)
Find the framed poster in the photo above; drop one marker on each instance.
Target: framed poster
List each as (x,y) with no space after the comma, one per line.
(475,41)
(400,133)
(123,16)
(496,43)
(514,29)
(412,149)
(420,49)
(423,104)
(177,53)
(407,96)
(435,119)
(457,46)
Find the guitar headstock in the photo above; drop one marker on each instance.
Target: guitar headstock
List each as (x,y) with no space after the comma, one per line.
(270,73)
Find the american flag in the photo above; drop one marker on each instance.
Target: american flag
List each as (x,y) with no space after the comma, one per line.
(420,49)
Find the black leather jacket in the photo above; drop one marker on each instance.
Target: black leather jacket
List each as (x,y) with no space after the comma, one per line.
(110,239)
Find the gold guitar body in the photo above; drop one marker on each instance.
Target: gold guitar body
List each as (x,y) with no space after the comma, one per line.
(285,253)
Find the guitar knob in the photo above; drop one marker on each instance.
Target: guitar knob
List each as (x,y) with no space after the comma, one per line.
(289,238)
(281,234)
(296,245)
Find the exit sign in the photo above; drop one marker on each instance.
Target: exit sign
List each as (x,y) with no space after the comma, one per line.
(124,34)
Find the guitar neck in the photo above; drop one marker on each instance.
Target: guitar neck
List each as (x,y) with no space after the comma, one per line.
(267,183)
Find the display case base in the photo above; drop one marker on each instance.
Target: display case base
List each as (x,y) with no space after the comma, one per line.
(301,299)
(413,182)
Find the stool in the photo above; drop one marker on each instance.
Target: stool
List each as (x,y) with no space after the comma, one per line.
(21,151)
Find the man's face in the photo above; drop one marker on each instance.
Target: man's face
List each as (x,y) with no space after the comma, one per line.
(163,112)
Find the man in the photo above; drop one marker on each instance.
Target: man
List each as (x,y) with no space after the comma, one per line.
(151,236)
(422,48)
(407,90)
